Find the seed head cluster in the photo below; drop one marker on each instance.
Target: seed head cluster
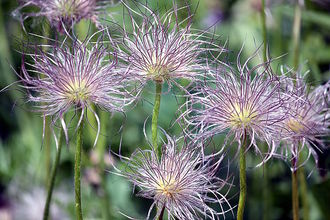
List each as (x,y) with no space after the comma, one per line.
(275,115)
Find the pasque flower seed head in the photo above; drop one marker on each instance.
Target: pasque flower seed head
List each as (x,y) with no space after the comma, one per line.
(63,14)
(183,181)
(74,77)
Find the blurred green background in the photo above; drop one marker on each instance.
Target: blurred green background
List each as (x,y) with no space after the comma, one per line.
(25,164)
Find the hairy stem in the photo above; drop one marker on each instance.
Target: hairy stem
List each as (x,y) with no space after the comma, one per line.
(155,114)
(265,194)
(102,146)
(46,34)
(295,194)
(295,199)
(296,49)
(47,150)
(242,179)
(303,192)
(77,167)
(53,177)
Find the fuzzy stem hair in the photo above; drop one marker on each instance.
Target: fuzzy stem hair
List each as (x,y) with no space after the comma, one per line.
(77,168)
(242,178)
(295,199)
(295,193)
(155,114)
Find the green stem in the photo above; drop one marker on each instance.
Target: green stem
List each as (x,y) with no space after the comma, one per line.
(101,146)
(265,179)
(265,194)
(46,33)
(303,191)
(53,177)
(295,199)
(77,168)
(264,29)
(296,49)
(296,35)
(155,114)
(242,179)
(47,150)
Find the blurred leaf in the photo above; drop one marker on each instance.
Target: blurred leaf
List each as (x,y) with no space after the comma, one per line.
(322,196)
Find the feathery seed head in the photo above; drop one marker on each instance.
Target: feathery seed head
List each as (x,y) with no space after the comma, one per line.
(307,109)
(76,77)
(161,48)
(62,14)
(240,102)
(308,119)
(183,181)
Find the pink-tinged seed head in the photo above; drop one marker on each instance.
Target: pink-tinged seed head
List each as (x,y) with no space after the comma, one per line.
(163,48)
(237,102)
(183,181)
(63,14)
(75,77)
(307,122)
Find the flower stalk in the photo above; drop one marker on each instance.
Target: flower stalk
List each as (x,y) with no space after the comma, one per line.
(295,199)
(242,179)
(155,114)
(53,177)
(77,172)
(47,140)
(300,171)
(265,192)
(303,192)
(101,146)
(46,34)
(294,177)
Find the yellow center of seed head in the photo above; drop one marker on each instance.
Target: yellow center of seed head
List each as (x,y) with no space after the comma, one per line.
(295,125)
(157,71)
(67,8)
(241,116)
(77,91)
(167,188)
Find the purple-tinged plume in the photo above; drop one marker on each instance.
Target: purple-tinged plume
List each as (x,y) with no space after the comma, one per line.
(237,102)
(162,48)
(307,124)
(74,77)
(183,182)
(63,14)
